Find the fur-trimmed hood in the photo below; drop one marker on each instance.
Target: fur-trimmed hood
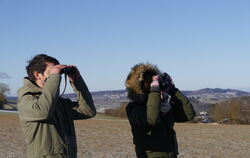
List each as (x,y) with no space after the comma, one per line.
(134,80)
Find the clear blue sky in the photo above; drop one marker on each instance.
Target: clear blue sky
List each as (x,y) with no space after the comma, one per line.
(200,43)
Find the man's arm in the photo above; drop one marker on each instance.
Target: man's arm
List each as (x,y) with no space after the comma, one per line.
(85,107)
(32,108)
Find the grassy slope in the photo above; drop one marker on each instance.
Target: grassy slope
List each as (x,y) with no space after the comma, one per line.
(112,139)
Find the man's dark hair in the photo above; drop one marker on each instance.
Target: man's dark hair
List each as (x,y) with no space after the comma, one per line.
(39,63)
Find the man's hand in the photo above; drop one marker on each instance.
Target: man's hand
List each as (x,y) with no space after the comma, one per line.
(75,75)
(57,69)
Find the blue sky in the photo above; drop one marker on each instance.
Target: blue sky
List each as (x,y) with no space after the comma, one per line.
(200,43)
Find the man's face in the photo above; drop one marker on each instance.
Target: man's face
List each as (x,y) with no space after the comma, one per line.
(40,78)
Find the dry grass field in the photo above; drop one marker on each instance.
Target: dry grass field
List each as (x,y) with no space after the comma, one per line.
(112,139)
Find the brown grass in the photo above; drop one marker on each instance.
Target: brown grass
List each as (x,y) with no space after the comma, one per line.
(112,139)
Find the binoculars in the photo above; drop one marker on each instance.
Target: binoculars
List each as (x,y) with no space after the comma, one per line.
(164,81)
(69,70)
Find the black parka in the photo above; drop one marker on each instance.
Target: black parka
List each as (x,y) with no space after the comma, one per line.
(153,131)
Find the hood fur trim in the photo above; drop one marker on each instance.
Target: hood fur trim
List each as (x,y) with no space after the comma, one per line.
(134,78)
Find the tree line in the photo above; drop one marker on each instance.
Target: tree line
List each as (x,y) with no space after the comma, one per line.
(4,88)
(233,111)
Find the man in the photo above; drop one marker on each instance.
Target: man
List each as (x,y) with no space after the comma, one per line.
(152,113)
(47,118)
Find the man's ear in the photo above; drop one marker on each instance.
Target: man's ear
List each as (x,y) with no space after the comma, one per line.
(37,75)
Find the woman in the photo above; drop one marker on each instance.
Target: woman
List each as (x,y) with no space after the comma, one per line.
(155,105)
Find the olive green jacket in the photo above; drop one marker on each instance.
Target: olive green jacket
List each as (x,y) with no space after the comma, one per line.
(47,119)
(153,132)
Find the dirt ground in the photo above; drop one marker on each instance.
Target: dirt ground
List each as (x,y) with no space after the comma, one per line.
(112,139)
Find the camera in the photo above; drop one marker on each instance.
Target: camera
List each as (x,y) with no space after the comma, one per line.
(165,81)
(69,70)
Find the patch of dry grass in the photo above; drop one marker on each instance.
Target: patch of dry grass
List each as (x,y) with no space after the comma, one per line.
(213,141)
(112,139)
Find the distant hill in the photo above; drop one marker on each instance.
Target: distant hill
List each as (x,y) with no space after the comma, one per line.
(202,99)
(218,91)
(105,99)
(224,104)
(214,95)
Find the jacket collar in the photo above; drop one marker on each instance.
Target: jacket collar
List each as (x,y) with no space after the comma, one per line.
(28,87)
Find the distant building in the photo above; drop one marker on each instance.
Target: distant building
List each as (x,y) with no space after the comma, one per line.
(100,110)
(203,114)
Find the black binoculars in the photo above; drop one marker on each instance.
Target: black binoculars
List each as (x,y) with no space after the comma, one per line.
(69,70)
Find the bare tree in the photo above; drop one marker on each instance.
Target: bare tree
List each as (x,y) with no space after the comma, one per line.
(4,88)
(235,110)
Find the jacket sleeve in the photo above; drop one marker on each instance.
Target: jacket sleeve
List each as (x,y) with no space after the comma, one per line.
(32,108)
(182,107)
(84,108)
(145,116)
(153,106)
